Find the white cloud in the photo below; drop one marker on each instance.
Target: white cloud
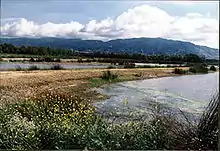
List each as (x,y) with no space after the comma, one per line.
(23,27)
(141,21)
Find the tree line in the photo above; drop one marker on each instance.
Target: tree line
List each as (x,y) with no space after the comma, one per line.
(106,56)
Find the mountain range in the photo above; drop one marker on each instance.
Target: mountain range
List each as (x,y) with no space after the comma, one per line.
(134,45)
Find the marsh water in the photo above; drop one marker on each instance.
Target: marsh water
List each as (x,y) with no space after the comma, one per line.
(189,94)
(44,65)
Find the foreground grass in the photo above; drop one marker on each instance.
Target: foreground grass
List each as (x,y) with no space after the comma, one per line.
(57,121)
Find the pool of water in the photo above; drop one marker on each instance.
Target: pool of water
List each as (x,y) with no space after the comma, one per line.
(188,94)
(44,65)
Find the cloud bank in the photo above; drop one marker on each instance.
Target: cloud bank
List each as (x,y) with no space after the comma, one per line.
(140,21)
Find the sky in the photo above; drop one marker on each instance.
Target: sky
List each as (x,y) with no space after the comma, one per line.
(192,21)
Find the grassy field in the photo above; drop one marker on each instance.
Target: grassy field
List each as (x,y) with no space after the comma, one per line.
(18,85)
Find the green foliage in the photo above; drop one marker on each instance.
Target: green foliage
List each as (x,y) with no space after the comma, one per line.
(198,68)
(107,75)
(212,68)
(180,71)
(33,67)
(96,82)
(32,50)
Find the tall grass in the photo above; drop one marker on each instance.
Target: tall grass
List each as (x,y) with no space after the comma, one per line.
(200,136)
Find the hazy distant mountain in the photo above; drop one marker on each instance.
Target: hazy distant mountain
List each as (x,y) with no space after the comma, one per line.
(134,45)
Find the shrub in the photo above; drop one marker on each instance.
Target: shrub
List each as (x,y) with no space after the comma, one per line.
(129,65)
(31,60)
(107,75)
(192,69)
(121,63)
(212,68)
(48,59)
(33,67)
(179,71)
(198,68)
(56,67)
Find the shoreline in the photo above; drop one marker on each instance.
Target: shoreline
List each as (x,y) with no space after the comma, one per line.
(19,85)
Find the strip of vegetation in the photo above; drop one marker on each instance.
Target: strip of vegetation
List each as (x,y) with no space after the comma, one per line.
(57,121)
(103,57)
(195,68)
(34,67)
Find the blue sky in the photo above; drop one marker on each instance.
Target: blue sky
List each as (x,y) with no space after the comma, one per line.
(92,19)
(58,11)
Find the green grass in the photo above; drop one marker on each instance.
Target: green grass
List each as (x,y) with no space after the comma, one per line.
(97,82)
(106,78)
